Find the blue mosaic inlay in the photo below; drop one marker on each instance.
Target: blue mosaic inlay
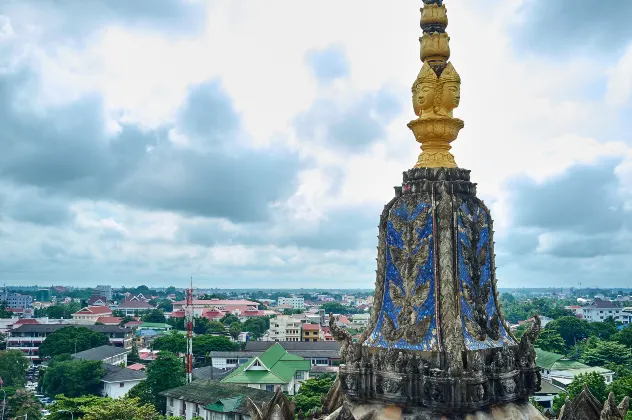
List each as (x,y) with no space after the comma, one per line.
(482,327)
(407,318)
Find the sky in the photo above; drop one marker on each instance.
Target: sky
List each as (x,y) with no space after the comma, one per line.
(254,144)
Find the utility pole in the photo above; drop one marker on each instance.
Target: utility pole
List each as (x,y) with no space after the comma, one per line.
(188,361)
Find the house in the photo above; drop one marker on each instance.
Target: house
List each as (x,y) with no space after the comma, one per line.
(601,310)
(134,305)
(136,366)
(547,394)
(213,400)
(98,301)
(154,326)
(231,306)
(561,371)
(118,381)
(107,354)
(109,320)
(275,367)
(90,314)
(210,373)
(28,337)
(310,332)
(284,328)
(294,302)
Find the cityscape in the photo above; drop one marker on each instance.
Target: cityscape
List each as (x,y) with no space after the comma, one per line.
(356,210)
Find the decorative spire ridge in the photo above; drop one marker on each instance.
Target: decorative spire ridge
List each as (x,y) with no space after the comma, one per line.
(436,92)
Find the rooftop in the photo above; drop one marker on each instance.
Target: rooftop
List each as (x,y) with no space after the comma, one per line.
(121,374)
(134,304)
(293,345)
(219,302)
(94,310)
(311,327)
(553,361)
(99,353)
(47,328)
(211,392)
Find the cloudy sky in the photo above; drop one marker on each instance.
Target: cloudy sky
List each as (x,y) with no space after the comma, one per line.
(253,143)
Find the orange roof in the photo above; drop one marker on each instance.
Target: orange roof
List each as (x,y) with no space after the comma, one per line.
(109,320)
(311,327)
(136,366)
(26,321)
(94,310)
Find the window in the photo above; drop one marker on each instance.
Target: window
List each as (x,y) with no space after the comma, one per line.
(270,388)
(300,375)
(121,384)
(231,361)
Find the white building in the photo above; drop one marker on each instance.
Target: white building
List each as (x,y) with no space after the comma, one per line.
(110,355)
(90,314)
(284,328)
(103,290)
(118,381)
(294,302)
(600,310)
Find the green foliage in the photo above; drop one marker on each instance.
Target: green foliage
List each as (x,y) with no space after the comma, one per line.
(166,372)
(133,356)
(166,305)
(121,409)
(228,319)
(73,378)
(204,326)
(76,405)
(550,340)
(23,404)
(257,326)
(624,336)
(235,330)
(156,315)
(67,339)
(310,393)
(338,308)
(142,393)
(604,352)
(603,330)
(571,328)
(204,344)
(62,310)
(173,342)
(621,388)
(4,313)
(515,311)
(595,382)
(177,323)
(126,319)
(13,367)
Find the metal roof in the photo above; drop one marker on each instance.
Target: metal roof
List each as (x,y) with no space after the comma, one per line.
(293,345)
(99,353)
(121,374)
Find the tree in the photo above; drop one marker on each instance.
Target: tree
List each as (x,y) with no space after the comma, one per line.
(204,344)
(550,340)
(133,356)
(177,323)
(62,310)
(166,372)
(337,308)
(173,342)
(621,387)
(71,340)
(142,393)
(166,305)
(605,352)
(76,406)
(228,319)
(507,298)
(126,319)
(235,330)
(257,326)
(4,313)
(572,329)
(595,382)
(624,336)
(121,409)
(311,391)
(156,315)
(603,330)
(73,378)
(13,367)
(215,327)
(23,404)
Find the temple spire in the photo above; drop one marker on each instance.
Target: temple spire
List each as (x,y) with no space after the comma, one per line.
(436,91)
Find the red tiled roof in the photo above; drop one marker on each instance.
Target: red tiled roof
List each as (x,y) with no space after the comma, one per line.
(311,327)
(25,321)
(136,366)
(94,299)
(177,314)
(344,319)
(94,310)
(219,302)
(133,324)
(109,320)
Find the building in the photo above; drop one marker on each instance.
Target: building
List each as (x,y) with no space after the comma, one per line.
(97,301)
(134,305)
(561,371)
(16,300)
(310,332)
(118,381)
(320,353)
(90,314)
(29,337)
(284,328)
(103,290)
(109,320)
(601,310)
(274,368)
(294,302)
(213,400)
(154,326)
(43,295)
(232,306)
(109,355)
(547,394)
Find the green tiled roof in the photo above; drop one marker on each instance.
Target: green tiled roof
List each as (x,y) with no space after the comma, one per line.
(226,405)
(281,365)
(553,361)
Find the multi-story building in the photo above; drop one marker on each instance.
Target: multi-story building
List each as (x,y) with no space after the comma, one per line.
(134,305)
(600,310)
(90,314)
(29,337)
(16,300)
(284,328)
(235,307)
(311,332)
(103,290)
(43,295)
(294,302)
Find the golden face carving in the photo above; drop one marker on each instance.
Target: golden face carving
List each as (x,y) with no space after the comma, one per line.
(450,97)
(426,96)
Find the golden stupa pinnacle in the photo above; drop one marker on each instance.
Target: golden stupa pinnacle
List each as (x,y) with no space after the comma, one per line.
(436,91)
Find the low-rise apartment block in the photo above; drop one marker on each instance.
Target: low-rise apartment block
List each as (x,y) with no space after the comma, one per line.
(294,302)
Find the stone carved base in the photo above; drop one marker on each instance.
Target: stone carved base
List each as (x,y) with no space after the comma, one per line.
(520,410)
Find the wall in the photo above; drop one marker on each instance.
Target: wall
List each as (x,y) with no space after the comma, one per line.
(115,390)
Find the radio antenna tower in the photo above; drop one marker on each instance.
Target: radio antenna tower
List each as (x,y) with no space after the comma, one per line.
(188,361)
